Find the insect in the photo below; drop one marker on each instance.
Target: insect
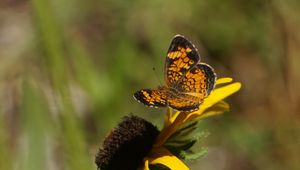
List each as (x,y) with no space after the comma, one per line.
(187,81)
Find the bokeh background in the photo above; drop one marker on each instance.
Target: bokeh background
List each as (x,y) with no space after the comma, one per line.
(68,70)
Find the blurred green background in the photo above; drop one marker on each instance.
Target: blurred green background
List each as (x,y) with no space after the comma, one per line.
(68,70)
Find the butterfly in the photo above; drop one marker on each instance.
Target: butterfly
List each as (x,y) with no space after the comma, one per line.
(187,81)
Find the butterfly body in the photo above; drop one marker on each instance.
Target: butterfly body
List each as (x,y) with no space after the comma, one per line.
(188,81)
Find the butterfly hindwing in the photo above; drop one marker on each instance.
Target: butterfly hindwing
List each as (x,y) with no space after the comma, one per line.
(184,102)
(181,57)
(199,81)
(210,76)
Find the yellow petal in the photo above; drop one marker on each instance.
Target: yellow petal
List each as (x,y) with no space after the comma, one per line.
(162,156)
(145,166)
(218,95)
(223,80)
(221,93)
(172,119)
(216,109)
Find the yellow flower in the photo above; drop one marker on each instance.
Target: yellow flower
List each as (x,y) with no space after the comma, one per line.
(212,105)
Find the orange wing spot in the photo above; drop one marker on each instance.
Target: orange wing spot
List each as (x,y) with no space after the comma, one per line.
(178,62)
(186,66)
(172,69)
(183,56)
(186,60)
(174,55)
(197,84)
(145,94)
(188,75)
(181,65)
(197,79)
(188,50)
(178,54)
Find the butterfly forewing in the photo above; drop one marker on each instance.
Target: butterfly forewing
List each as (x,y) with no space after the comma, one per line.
(181,57)
(151,97)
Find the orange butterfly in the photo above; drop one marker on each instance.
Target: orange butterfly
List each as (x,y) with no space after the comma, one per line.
(187,80)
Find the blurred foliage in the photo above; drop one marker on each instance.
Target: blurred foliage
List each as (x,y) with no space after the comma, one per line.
(68,70)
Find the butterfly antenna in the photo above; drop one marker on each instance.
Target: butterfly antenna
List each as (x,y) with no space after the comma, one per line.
(156,75)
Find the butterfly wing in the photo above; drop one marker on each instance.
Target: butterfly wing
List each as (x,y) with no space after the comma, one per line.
(196,84)
(199,81)
(151,98)
(183,102)
(181,57)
